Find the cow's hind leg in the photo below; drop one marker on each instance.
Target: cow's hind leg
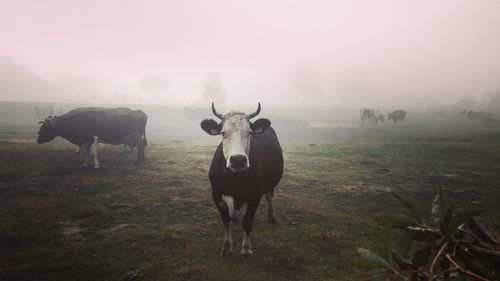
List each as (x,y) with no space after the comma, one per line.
(270,215)
(85,151)
(247,222)
(140,154)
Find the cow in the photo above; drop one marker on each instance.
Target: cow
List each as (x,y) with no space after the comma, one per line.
(371,116)
(365,114)
(86,126)
(483,116)
(397,116)
(247,164)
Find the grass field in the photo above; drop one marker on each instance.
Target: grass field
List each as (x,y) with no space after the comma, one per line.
(59,221)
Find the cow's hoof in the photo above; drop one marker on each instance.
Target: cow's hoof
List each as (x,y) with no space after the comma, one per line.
(224,253)
(245,254)
(227,248)
(271,220)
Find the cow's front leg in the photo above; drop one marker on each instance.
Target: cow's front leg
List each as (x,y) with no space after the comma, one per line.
(227,245)
(93,152)
(270,214)
(247,223)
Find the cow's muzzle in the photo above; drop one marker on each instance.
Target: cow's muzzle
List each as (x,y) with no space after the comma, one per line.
(238,162)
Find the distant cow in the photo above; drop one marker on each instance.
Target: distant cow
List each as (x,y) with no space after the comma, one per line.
(87,126)
(483,116)
(371,116)
(397,116)
(247,164)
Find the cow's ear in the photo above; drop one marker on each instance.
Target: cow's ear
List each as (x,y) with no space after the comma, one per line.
(211,127)
(260,125)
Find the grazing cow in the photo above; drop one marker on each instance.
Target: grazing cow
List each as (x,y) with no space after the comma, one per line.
(87,126)
(483,116)
(371,116)
(397,116)
(247,164)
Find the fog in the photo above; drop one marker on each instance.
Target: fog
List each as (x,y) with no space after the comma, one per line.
(316,54)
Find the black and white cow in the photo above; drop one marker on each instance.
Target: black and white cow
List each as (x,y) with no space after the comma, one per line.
(86,126)
(247,164)
(371,116)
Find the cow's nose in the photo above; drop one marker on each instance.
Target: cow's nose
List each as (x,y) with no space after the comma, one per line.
(238,161)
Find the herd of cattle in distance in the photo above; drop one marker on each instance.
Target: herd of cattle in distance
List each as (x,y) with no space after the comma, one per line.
(247,164)
(372,116)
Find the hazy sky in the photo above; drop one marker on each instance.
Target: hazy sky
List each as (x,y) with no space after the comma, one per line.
(393,49)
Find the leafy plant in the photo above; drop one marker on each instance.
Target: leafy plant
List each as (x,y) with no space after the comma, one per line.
(453,245)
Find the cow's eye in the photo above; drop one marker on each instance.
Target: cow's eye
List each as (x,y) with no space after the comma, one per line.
(222,133)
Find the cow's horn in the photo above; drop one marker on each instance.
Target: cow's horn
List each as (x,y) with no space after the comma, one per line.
(252,115)
(220,116)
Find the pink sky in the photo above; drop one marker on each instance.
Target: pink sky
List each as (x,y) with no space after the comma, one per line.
(404,48)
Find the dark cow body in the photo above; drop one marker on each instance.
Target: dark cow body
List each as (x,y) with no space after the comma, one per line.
(84,126)
(264,174)
(397,116)
(245,177)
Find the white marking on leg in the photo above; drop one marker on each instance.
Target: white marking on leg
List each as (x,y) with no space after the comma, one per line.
(93,151)
(246,247)
(229,201)
(227,246)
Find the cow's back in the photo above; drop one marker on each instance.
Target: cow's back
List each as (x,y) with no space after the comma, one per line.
(110,125)
(268,149)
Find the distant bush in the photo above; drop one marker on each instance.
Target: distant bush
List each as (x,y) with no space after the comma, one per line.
(42,112)
(453,246)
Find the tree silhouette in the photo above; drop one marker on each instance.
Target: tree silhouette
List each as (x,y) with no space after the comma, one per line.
(213,88)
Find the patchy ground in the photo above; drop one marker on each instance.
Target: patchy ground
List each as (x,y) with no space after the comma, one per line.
(59,221)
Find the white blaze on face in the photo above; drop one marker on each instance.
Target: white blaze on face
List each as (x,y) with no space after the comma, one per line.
(236,136)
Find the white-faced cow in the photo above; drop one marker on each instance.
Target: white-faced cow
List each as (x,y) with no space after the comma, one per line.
(87,126)
(397,116)
(247,164)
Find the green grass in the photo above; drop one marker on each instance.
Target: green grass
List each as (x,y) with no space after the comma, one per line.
(59,221)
